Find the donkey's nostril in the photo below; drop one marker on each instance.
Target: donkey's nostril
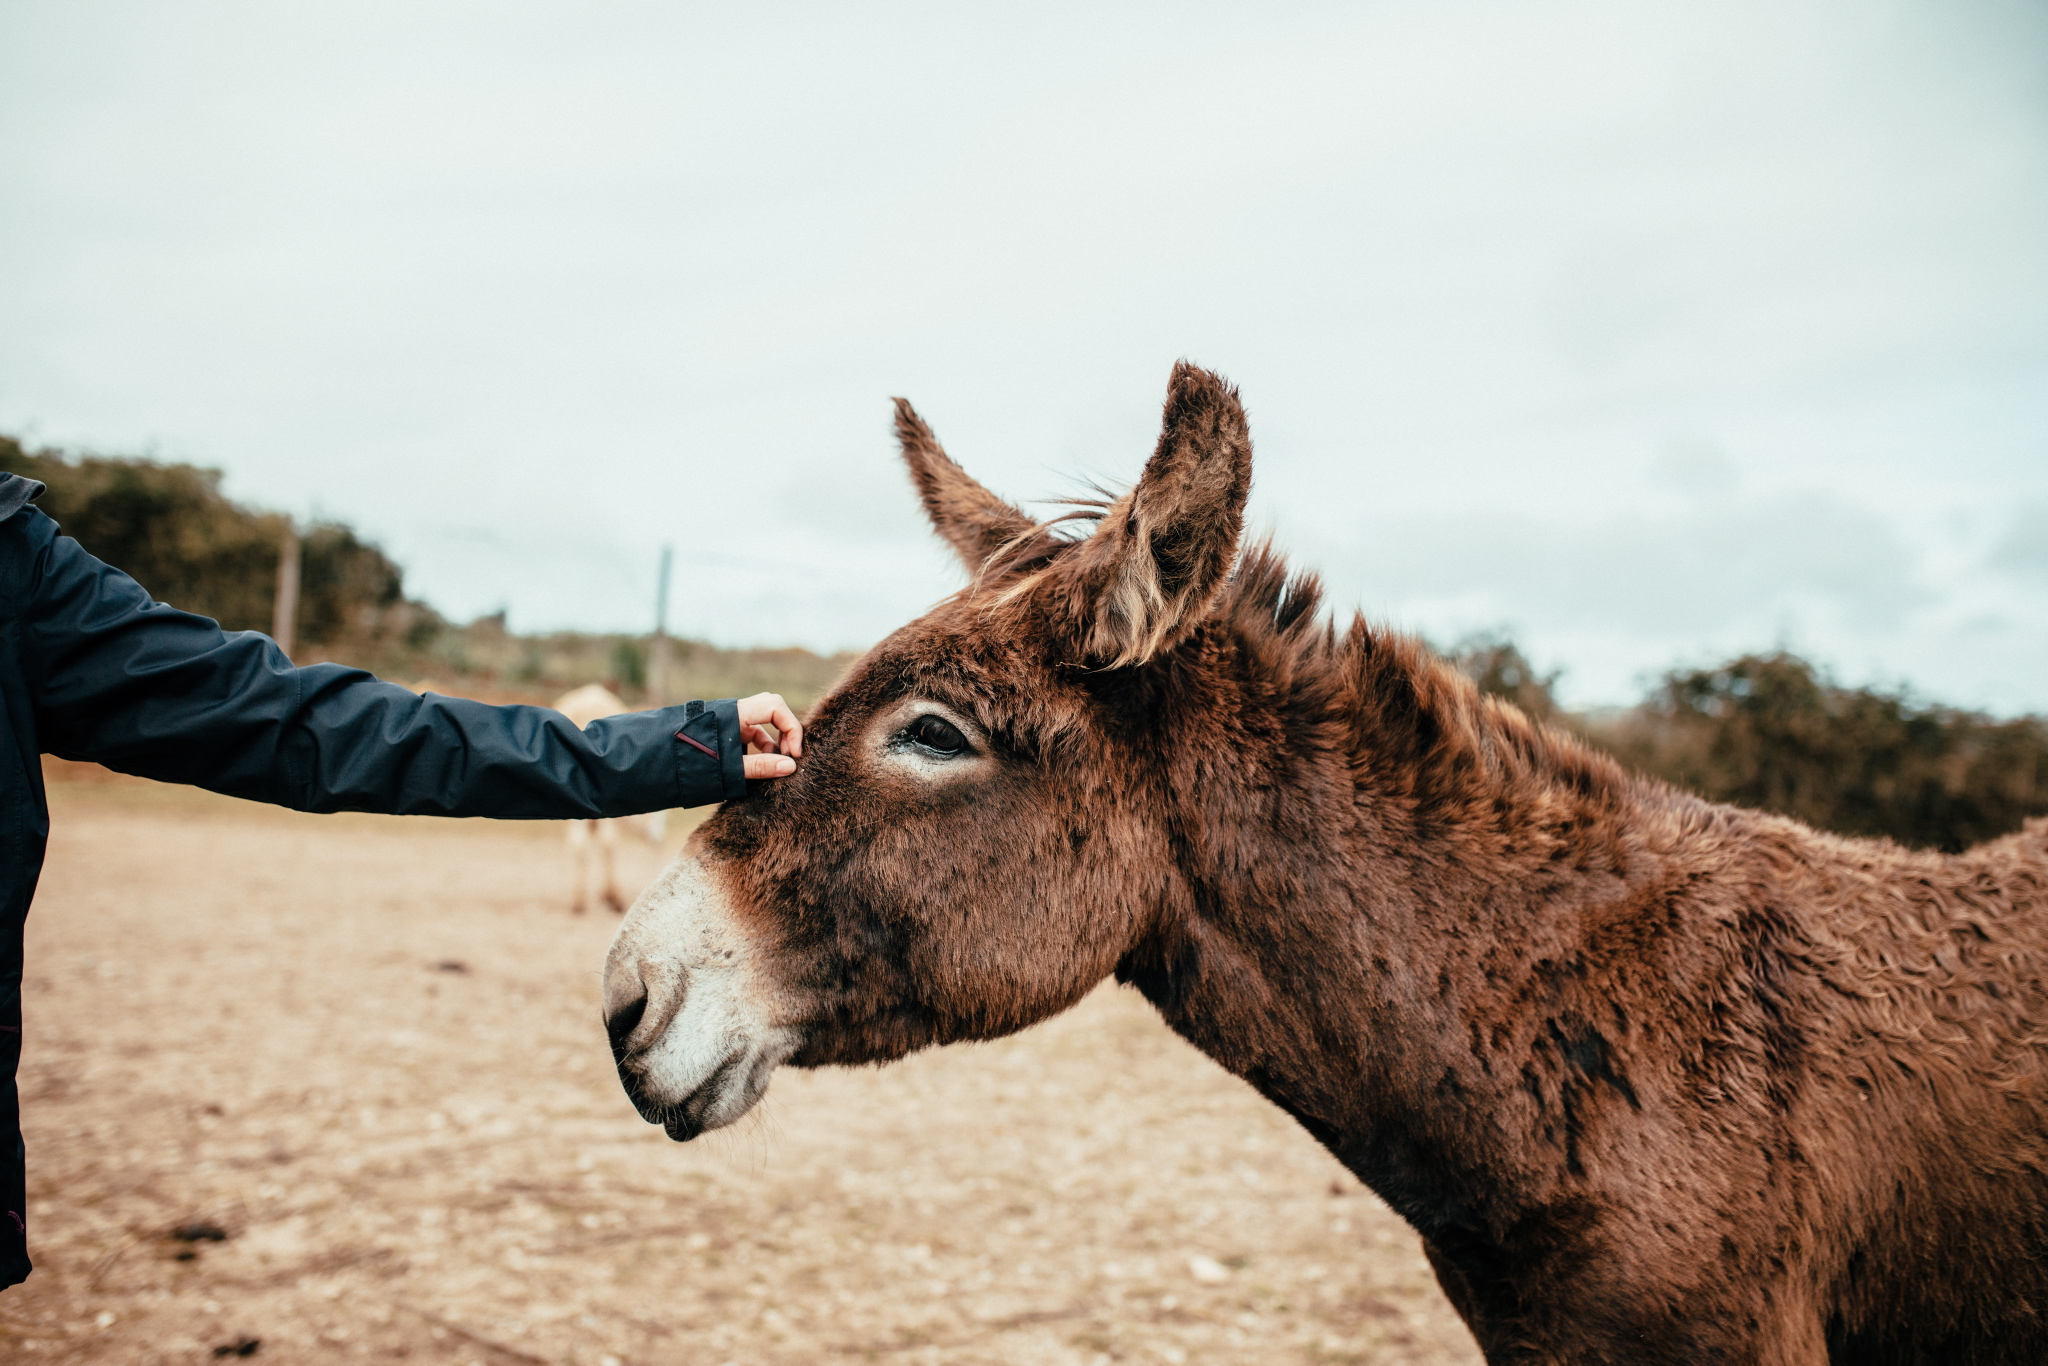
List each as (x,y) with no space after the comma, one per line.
(622,1021)
(641,998)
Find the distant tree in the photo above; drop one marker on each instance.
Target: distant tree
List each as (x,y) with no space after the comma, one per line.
(171,528)
(168,526)
(1773,733)
(347,587)
(629,663)
(1493,661)
(1769,731)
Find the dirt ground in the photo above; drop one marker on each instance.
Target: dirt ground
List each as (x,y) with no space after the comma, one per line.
(366,1051)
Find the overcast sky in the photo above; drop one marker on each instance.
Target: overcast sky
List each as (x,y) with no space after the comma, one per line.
(1648,332)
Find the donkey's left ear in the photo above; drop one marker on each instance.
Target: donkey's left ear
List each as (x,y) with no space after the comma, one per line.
(1154,565)
(974,521)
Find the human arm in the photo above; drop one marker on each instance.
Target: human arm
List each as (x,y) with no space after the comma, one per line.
(146,689)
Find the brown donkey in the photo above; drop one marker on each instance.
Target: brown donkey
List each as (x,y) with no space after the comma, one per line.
(1656,1080)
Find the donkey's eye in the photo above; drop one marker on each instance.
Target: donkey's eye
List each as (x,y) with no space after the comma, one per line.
(937,734)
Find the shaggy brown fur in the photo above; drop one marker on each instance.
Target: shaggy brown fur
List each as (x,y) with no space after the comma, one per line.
(1656,1080)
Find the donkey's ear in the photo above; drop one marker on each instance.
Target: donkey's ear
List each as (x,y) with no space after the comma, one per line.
(974,521)
(1150,572)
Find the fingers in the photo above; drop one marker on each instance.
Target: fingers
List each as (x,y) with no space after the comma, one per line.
(758,712)
(769,707)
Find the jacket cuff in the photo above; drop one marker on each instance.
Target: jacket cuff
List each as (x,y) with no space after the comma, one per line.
(710,760)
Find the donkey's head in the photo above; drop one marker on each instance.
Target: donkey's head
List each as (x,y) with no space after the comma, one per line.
(986,821)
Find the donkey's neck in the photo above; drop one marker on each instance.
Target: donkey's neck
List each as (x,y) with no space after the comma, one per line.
(1375,897)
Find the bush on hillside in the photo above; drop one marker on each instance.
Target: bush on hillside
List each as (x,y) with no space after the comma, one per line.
(1770,731)
(1773,733)
(1499,667)
(166,525)
(171,528)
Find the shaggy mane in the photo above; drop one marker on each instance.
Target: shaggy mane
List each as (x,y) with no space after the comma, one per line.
(1405,706)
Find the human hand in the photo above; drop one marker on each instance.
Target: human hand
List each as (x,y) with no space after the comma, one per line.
(770,754)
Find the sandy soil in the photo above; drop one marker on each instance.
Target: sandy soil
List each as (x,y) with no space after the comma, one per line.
(367,1052)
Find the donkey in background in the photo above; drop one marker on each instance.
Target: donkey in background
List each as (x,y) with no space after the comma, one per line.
(1656,1080)
(594,702)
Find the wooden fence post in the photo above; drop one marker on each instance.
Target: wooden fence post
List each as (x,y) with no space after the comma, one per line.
(284,613)
(657,648)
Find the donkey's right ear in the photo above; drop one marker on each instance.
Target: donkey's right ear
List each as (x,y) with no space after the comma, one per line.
(1147,576)
(974,521)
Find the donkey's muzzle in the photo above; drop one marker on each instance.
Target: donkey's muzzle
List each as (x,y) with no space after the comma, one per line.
(687,1008)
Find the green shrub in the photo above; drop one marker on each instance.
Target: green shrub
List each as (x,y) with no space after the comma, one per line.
(1499,667)
(1773,733)
(170,528)
(1770,731)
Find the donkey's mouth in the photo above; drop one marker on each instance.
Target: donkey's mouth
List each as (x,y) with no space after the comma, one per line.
(712,1107)
(706,1108)
(690,1012)
(731,1088)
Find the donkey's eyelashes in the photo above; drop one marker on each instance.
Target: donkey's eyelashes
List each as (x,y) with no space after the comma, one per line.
(935,733)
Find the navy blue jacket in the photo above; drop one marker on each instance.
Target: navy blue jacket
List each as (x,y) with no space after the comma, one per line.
(90,668)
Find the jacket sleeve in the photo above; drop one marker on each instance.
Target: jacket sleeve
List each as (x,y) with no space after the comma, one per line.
(147,689)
